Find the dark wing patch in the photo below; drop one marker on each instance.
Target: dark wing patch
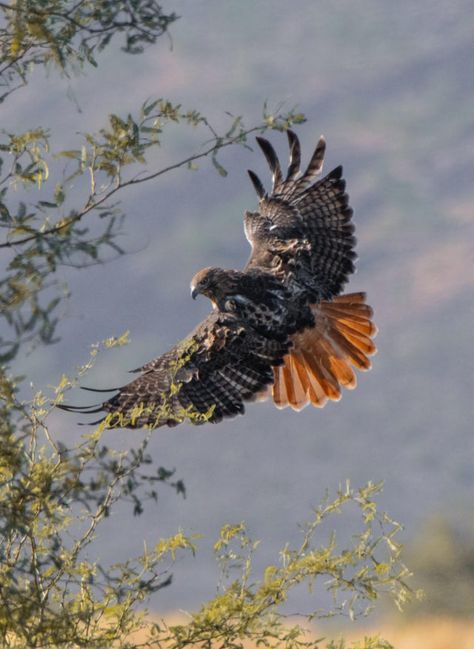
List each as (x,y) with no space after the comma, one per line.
(302,232)
(207,377)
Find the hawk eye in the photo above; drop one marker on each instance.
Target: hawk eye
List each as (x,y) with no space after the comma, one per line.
(230,305)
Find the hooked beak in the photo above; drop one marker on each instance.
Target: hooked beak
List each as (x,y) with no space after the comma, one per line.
(194,292)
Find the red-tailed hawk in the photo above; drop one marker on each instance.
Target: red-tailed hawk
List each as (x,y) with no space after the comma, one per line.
(279,327)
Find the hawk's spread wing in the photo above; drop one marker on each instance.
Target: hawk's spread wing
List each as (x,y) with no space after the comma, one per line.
(303,234)
(205,378)
(302,231)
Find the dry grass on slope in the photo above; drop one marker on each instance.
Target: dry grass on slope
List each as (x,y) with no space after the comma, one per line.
(426,633)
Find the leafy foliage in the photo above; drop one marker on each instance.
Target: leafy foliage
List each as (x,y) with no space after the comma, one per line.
(250,609)
(53,500)
(67,34)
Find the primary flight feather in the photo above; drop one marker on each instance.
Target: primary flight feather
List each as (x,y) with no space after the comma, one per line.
(278,327)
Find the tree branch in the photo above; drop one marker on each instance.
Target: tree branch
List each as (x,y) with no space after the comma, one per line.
(122,185)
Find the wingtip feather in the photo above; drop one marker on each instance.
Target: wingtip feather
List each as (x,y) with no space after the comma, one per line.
(257,183)
(272,160)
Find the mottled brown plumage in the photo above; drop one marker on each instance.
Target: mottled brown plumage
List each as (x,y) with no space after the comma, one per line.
(302,232)
(278,326)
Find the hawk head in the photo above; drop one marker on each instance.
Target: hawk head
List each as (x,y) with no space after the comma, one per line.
(214,283)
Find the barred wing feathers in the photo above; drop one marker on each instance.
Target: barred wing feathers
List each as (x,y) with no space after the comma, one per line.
(206,377)
(303,234)
(302,231)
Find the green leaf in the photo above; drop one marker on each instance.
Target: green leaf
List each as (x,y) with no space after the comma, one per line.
(147,109)
(47,204)
(222,171)
(71,153)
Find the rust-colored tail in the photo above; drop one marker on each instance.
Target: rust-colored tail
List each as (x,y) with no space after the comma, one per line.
(322,358)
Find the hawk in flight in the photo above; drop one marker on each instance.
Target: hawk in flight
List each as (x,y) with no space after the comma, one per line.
(280,327)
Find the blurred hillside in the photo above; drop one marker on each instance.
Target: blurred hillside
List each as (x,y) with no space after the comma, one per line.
(442,557)
(435,633)
(390,86)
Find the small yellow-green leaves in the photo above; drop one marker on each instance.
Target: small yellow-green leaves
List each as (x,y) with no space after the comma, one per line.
(118,341)
(172,544)
(227,533)
(63,384)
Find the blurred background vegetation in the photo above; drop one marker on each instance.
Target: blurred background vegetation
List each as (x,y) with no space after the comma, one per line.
(442,557)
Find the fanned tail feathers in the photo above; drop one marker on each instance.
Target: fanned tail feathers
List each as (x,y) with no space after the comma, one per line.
(322,358)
